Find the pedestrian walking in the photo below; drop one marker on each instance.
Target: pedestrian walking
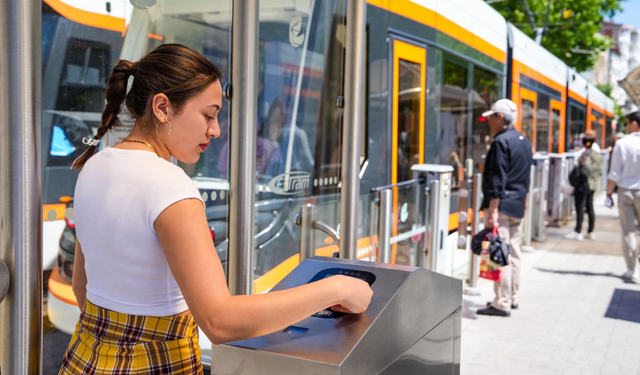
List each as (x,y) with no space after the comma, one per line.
(590,168)
(505,186)
(625,173)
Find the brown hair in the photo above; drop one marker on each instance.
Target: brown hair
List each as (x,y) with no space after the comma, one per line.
(172,69)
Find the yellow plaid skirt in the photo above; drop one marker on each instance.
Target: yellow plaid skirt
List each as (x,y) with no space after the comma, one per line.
(108,342)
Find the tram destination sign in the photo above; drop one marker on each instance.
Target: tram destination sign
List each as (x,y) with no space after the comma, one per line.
(290,183)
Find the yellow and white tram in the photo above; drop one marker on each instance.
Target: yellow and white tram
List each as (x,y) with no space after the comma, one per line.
(432,68)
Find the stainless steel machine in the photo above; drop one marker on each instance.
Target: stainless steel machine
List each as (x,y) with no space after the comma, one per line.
(412,326)
(541,184)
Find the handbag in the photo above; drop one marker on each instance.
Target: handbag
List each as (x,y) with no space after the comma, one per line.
(489,269)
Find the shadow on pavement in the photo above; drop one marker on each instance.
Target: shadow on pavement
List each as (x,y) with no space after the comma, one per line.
(624,305)
(586,273)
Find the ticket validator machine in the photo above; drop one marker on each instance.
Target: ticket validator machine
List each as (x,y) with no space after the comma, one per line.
(541,185)
(557,175)
(411,327)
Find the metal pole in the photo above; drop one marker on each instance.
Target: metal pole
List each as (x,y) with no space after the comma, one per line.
(474,261)
(528,218)
(307,235)
(544,188)
(434,224)
(562,196)
(353,119)
(386,220)
(242,175)
(21,185)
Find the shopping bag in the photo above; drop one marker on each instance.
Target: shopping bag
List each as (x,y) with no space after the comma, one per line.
(488,269)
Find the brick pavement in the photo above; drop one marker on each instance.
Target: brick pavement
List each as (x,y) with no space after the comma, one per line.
(576,316)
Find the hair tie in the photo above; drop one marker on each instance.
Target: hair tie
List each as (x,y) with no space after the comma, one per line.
(134,68)
(90,141)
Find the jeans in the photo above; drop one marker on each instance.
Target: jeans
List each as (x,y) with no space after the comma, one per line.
(583,199)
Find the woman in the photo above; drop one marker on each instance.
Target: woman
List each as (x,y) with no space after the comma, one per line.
(145,267)
(590,162)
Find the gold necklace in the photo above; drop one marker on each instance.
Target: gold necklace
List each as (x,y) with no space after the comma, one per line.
(142,142)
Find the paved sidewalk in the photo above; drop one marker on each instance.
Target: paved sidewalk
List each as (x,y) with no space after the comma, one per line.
(576,315)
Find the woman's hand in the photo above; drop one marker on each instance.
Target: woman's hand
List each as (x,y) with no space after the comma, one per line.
(356,294)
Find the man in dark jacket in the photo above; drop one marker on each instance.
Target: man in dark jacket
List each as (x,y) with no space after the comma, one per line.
(505,185)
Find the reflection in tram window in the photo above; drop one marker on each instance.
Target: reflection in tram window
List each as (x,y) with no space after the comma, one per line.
(487,88)
(542,123)
(555,131)
(576,127)
(527,119)
(409,87)
(453,117)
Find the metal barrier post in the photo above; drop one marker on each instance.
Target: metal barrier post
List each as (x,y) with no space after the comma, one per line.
(385,224)
(540,235)
(21,185)
(353,119)
(307,234)
(474,261)
(434,227)
(242,175)
(528,215)
(563,197)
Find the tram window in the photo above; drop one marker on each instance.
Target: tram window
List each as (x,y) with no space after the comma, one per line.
(453,116)
(555,130)
(409,93)
(542,123)
(576,127)
(487,88)
(527,118)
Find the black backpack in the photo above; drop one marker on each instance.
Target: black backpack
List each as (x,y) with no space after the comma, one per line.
(577,179)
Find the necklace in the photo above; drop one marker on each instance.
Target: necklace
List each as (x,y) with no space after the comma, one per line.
(141,142)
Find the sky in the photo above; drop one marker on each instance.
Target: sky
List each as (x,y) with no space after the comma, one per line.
(630,15)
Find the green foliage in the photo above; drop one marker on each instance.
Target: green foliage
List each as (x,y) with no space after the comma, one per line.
(572,27)
(606,89)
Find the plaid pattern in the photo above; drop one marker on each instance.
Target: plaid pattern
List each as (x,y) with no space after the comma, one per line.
(109,342)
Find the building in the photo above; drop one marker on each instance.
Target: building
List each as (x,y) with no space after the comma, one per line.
(617,62)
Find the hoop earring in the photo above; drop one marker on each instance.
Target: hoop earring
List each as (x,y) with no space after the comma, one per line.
(158,134)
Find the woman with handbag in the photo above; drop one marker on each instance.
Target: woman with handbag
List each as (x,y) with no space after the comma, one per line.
(588,171)
(146,269)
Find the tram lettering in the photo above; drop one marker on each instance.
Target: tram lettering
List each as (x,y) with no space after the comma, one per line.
(290,183)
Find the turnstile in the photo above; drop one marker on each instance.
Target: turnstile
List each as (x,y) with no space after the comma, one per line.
(555,195)
(567,204)
(412,326)
(602,185)
(539,209)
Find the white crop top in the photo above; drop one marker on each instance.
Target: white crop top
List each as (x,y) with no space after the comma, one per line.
(118,197)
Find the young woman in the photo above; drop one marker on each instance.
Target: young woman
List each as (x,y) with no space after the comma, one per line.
(591,163)
(145,267)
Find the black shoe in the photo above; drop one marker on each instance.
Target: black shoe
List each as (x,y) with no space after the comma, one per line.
(513,307)
(494,312)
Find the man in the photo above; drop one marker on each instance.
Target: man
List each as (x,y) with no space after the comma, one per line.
(625,172)
(505,186)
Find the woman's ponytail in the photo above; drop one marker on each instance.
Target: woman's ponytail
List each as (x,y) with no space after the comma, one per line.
(115,95)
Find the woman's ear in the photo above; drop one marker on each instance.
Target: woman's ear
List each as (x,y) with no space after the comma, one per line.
(161,106)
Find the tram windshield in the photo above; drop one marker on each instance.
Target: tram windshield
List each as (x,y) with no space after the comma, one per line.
(298,127)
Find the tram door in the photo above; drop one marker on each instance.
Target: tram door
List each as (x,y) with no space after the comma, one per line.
(528,109)
(408,123)
(556,135)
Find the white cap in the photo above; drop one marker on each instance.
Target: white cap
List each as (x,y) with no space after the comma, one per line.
(504,106)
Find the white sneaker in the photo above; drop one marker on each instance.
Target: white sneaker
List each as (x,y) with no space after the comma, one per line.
(591,236)
(629,274)
(574,236)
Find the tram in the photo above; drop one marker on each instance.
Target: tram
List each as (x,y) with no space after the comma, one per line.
(432,68)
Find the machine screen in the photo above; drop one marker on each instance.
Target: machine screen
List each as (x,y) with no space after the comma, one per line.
(362,275)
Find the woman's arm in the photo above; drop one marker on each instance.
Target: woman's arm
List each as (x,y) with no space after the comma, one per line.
(184,234)
(79,280)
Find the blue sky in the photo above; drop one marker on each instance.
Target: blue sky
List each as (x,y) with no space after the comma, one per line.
(631,13)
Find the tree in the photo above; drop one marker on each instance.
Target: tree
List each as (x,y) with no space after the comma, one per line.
(572,26)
